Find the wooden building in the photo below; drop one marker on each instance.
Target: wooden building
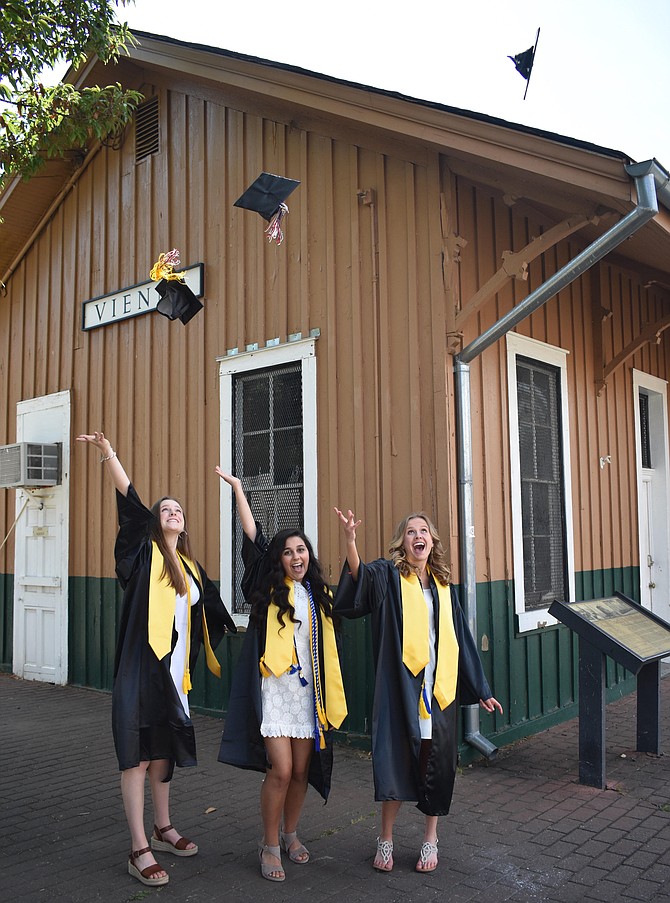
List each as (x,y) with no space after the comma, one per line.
(322,369)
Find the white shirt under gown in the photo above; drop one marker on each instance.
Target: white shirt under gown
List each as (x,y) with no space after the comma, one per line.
(179,653)
(426,724)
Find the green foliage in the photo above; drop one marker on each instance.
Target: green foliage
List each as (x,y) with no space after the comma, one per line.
(38,121)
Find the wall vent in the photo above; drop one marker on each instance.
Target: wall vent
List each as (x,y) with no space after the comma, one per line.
(30,464)
(147,129)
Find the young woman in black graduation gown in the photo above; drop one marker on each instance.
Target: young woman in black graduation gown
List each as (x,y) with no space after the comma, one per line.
(170,608)
(287,688)
(426,662)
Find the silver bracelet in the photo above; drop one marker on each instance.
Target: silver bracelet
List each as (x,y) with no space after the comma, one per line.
(109,457)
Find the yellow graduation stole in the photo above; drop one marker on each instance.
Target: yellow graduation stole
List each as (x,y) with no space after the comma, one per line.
(279,657)
(162,604)
(415,648)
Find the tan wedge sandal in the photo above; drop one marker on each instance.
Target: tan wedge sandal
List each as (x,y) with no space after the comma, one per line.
(177,849)
(146,875)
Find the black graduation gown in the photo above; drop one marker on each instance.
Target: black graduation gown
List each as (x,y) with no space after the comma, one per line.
(242,744)
(148,719)
(396,733)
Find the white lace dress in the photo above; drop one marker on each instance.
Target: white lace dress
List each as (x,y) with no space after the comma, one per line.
(288,706)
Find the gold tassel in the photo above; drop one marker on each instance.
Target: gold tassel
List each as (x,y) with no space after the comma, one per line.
(187,681)
(164,267)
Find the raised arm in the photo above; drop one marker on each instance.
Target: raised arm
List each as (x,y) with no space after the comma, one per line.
(349,525)
(243,509)
(109,458)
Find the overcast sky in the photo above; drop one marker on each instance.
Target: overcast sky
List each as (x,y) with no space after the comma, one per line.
(601,71)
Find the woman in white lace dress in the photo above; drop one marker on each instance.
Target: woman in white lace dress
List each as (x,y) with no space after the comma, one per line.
(287,689)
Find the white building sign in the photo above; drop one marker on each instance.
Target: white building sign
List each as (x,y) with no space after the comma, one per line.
(135,300)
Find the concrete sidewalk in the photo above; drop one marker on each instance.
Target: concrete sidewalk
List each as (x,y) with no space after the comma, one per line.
(521,829)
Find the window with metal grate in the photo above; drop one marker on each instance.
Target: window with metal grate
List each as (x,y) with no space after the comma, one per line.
(542,494)
(268,452)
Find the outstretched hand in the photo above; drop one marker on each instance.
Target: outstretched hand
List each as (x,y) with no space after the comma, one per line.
(98,440)
(109,458)
(229,478)
(349,523)
(490,705)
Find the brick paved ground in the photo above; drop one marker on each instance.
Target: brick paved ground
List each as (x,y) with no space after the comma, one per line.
(521,828)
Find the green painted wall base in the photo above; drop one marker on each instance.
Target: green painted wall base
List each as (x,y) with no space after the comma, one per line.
(6,621)
(534,674)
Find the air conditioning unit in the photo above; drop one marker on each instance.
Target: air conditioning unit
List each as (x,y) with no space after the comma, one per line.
(30,464)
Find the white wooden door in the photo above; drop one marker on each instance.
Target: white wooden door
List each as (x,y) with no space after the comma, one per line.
(648,567)
(652,488)
(41,551)
(39,587)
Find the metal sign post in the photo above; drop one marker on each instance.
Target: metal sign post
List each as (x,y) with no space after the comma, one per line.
(633,637)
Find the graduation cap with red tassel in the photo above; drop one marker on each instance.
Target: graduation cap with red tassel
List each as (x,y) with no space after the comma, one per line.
(267,196)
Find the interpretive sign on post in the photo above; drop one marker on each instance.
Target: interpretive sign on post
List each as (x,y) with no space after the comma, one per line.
(635,638)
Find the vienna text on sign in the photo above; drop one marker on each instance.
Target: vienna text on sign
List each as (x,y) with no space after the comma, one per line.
(133,301)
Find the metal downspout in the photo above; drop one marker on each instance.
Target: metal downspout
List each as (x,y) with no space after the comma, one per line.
(646,209)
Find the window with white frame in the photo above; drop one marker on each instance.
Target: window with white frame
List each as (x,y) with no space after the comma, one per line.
(268,440)
(540,479)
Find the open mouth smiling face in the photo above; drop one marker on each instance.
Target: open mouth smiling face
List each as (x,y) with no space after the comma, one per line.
(418,543)
(295,558)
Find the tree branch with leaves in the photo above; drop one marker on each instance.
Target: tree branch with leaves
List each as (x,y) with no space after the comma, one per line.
(38,121)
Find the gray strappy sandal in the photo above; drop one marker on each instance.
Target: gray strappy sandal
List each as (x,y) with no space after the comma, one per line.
(267,870)
(285,842)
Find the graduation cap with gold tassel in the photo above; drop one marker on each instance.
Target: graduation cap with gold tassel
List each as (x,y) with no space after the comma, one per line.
(177,300)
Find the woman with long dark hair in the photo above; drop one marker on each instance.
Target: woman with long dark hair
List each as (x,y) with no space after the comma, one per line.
(426,661)
(287,690)
(170,609)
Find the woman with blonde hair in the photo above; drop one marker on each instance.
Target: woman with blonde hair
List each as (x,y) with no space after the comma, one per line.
(426,664)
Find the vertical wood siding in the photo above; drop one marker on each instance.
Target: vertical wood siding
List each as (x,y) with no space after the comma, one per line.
(538,670)
(364,263)
(604,500)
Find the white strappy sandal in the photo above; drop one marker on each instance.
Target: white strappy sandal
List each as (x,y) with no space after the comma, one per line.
(385,852)
(428,850)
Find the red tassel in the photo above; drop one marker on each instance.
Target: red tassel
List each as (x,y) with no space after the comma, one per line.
(274,230)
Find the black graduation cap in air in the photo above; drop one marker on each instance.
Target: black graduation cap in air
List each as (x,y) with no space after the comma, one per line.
(267,194)
(177,300)
(523,62)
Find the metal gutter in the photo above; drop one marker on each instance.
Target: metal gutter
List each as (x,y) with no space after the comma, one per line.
(650,178)
(661,178)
